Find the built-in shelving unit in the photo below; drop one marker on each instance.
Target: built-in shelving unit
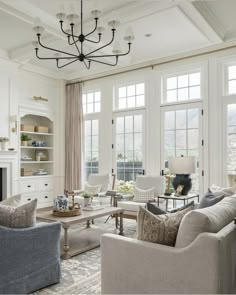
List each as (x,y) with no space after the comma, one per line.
(40,153)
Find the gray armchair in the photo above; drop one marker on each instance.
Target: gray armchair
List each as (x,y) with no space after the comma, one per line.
(29,258)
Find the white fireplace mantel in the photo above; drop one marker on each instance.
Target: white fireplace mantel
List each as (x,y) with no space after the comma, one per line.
(8,160)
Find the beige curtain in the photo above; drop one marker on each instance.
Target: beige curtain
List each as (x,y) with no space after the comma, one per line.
(73,137)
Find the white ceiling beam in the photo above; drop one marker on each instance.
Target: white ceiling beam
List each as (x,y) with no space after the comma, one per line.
(213,34)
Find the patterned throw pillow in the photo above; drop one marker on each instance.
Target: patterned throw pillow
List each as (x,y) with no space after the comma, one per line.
(160,229)
(144,196)
(18,217)
(92,189)
(13,201)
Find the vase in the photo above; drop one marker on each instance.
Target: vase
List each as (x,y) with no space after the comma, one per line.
(87,201)
(24,143)
(61,203)
(3,146)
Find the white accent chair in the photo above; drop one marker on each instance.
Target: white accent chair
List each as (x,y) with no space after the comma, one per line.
(144,182)
(107,182)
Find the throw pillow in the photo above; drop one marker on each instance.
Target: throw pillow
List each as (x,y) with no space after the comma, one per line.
(154,209)
(160,229)
(18,217)
(210,199)
(210,219)
(144,196)
(228,191)
(13,201)
(92,189)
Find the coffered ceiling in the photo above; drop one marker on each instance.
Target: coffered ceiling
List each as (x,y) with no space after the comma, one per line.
(162,28)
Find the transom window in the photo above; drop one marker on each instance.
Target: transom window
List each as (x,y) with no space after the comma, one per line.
(183,88)
(131,96)
(91,147)
(92,102)
(232,79)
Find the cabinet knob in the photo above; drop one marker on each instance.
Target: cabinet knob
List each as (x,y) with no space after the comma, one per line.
(28,185)
(46,184)
(28,199)
(46,197)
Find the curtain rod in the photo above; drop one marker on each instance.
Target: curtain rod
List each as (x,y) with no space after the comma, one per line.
(155,64)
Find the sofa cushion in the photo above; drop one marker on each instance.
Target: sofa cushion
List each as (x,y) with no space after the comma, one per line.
(160,229)
(154,209)
(210,219)
(13,201)
(228,191)
(142,195)
(210,199)
(130,205)
(18,217)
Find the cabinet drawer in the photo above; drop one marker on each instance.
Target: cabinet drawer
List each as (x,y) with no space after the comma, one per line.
(27,187)
(27,199)
(45,185)
(46,197)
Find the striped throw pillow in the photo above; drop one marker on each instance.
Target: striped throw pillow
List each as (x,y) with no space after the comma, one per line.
(144,196)
(92,189)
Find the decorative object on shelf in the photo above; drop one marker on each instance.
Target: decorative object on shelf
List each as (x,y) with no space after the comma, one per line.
(26,171)
(27,128)
(26,158)
(24,139)
(14,120)
(11,149)
(41,129)
(39,143)
(182,167)
(39,98)
(40,172)
(3,141)
(62,206)
(179,190)
(87,199)
(77,38)
(41,155)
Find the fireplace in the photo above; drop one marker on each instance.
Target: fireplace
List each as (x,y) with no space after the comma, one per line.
(3,183)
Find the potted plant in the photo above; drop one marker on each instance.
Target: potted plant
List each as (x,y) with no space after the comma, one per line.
(24,139)
(3,141)
(87,199)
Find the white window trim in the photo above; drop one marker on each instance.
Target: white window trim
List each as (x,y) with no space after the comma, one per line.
(225,87)
(92,90)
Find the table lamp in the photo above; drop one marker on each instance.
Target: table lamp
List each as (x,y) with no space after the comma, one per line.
(182,167)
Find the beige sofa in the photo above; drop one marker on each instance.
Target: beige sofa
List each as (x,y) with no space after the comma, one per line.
(202,262)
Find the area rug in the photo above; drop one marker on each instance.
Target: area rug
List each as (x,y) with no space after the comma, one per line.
(82,273)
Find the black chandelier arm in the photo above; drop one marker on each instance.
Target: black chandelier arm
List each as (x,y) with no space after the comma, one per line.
(75,43)
(68,35)
(96,25)
(112,55)
(104,63)
(52,49)
(109,43)
(99,40)
(52,58)
(87,66)
(59,67)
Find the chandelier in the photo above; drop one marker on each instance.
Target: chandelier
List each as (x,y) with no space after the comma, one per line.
(76,37)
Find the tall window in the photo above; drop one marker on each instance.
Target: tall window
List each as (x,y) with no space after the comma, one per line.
(91,147)
(182,136)
(231,147)
(131,96)
(232,80)
(182,88)
(129,139)
(92,102)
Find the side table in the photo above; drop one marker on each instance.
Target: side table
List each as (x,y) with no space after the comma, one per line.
(174,198)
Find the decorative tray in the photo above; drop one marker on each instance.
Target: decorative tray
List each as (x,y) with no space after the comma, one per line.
(70,213)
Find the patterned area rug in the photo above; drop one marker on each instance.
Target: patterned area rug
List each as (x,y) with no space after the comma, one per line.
(81,274)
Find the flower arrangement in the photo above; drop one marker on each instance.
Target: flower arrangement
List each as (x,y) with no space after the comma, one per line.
(126,187)
(25,137)
(86,195)
(4,139)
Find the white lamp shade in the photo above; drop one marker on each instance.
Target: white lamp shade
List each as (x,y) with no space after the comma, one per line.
(182,165)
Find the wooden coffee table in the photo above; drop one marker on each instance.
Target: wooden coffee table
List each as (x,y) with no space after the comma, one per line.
(82,239)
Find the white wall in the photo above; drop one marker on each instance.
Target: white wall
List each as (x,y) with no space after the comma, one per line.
(212,66)
(17,88)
